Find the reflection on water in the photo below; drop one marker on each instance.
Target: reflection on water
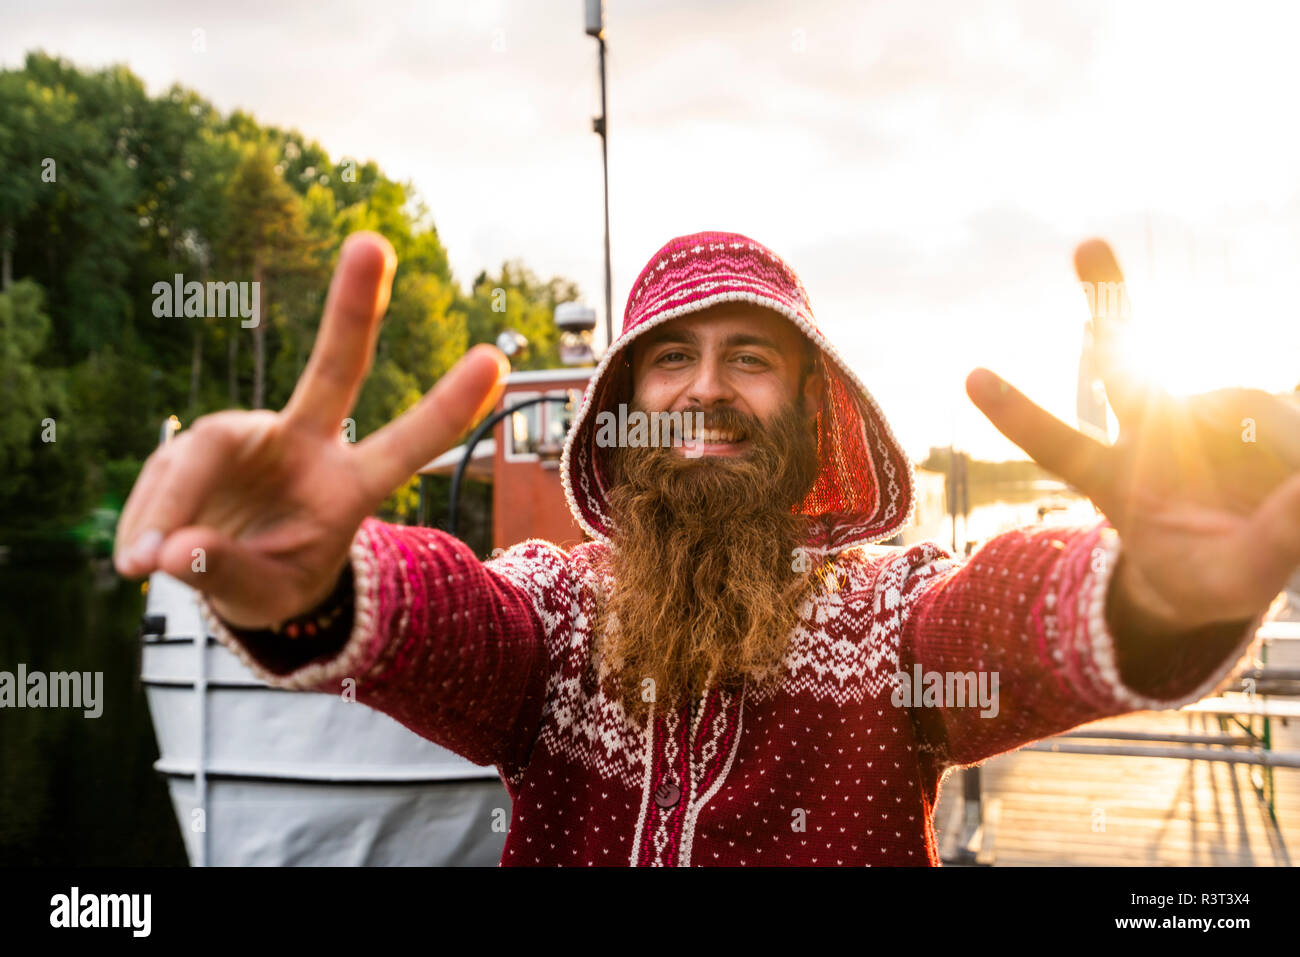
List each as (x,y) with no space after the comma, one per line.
(77,790)
(995,509)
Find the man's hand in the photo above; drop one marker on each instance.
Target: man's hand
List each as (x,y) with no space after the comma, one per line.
(1204,491)
(273,500)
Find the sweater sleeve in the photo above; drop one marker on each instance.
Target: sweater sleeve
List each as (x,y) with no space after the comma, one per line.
(1026,615)
(455,649)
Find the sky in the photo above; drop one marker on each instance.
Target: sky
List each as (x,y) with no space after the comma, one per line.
(926,168)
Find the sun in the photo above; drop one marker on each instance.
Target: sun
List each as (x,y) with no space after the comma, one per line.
(1186,338)
(1176,363)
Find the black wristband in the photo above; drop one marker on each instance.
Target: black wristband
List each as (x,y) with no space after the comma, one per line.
(318,633)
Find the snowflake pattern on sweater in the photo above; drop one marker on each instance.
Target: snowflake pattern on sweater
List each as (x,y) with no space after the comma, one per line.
(494,661)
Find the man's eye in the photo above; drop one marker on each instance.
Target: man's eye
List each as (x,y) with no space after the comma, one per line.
(754,360)
(672,356)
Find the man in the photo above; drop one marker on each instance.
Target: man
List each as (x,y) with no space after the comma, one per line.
(724,673)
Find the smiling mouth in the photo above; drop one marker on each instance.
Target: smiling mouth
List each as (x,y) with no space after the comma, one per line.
(690,436)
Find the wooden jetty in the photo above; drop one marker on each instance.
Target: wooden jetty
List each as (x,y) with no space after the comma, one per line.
(1043,808)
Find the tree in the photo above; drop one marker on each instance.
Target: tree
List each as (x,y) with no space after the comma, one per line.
(266,240)
(516,299)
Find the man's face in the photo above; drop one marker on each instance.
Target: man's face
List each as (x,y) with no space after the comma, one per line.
(734,356)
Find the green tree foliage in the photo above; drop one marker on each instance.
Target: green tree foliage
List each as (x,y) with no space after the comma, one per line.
(979,472)
(40,443)
(516,299)
(106,191)
(24,327)
(266,242)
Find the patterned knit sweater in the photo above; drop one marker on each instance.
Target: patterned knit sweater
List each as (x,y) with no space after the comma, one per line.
(493,660)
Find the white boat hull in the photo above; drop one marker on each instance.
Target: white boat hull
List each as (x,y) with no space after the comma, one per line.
(262,776)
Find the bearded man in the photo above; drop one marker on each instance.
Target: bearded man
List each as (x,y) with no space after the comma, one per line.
(705,583)
(719,675)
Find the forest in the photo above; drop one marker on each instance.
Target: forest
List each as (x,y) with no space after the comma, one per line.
(109,195)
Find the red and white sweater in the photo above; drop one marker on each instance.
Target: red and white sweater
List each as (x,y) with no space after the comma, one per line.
(493,661)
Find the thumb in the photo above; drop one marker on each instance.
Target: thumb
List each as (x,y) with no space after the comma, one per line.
(459,399)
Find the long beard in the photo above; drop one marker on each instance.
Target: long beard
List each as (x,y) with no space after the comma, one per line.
(706,586)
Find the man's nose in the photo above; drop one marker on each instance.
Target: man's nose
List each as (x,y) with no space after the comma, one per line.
(710,385)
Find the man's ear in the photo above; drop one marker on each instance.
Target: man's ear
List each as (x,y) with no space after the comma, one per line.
(813,388)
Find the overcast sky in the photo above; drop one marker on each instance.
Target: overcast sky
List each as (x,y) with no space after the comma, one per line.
(926,167)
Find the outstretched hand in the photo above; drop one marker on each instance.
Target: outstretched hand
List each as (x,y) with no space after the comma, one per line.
(1204,490)
(257,510)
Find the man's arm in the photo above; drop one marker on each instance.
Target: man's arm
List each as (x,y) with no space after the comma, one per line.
(453,648)
(1028,613)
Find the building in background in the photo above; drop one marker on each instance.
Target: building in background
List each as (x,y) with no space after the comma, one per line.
(521,460)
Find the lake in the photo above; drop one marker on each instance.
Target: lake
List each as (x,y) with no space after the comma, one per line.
(77,790)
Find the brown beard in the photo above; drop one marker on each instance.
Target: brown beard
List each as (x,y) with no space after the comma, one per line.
(705,589)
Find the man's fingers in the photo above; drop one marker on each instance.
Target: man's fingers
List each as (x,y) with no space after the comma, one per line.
(1271,539)
(213,563)
(1249,438)
(1094,261)
(128,526)
(392,455)
(1049,441)
(358,297)
(195,467)
(1127,389)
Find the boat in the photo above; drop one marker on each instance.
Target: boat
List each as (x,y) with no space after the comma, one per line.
(262,776)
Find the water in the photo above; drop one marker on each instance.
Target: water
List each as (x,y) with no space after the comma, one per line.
(77,790)
(995,509)
(1012,509)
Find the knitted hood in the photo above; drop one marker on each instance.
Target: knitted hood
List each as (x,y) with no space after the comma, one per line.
(864,491)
